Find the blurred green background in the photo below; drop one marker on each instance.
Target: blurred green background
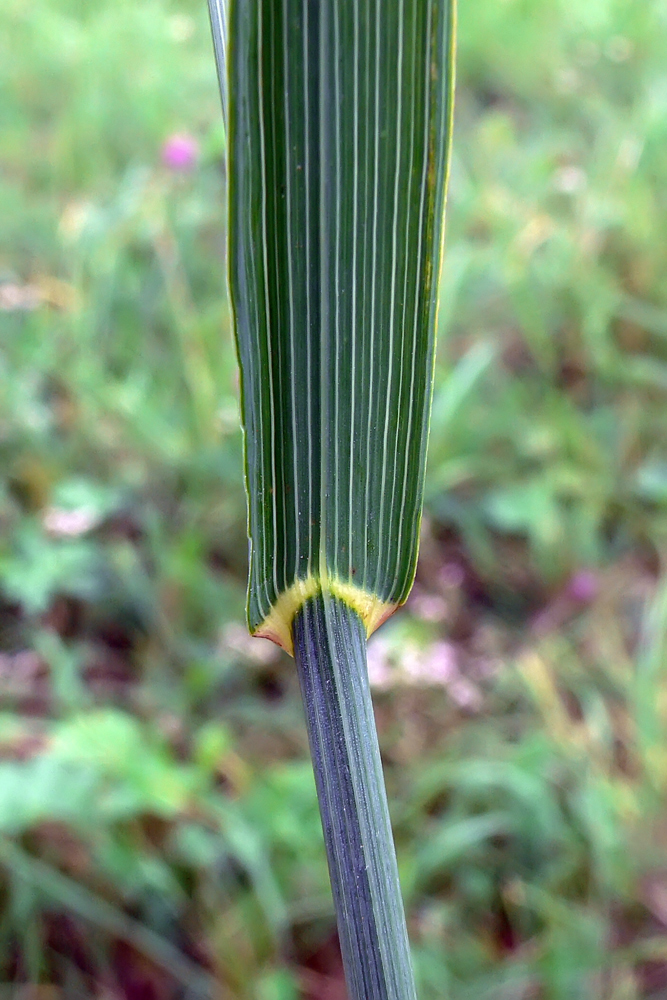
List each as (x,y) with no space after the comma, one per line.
(159,833)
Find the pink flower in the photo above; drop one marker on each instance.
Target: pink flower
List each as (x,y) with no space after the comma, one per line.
(583,586)
(180,152)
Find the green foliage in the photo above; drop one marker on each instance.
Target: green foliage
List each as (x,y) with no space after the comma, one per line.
(335,240)
(529,774)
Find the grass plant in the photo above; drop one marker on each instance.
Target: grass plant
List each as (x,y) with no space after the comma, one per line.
(155,773)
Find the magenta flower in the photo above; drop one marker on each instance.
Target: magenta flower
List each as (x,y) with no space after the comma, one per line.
(583,586)
(180,152)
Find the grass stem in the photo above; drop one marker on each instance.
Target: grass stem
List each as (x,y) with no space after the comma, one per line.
(330,652)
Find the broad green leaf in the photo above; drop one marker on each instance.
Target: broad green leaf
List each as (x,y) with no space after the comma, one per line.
(339,123)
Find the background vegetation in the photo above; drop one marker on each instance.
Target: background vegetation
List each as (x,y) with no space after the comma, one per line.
(159,835)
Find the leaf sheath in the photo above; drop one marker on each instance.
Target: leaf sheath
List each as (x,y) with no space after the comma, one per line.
(330,653)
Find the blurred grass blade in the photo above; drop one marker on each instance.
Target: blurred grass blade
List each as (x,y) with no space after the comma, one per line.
(76,898)
(339,122)
(218,14)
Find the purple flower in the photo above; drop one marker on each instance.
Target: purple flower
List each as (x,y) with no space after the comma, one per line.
(180,152)
(583,586)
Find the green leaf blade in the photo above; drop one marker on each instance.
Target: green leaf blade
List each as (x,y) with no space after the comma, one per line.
(339,132)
